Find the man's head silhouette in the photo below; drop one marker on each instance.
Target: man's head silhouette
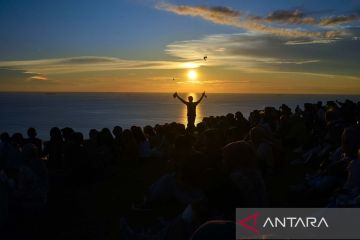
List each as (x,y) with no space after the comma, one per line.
(31,132)
(190,98)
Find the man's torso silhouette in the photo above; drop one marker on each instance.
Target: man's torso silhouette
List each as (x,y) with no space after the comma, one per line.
(191,113)
(191,108)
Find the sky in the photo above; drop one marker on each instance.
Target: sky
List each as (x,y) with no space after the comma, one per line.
(240,46)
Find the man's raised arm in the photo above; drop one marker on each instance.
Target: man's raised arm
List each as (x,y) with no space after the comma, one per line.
(183,101)
(202,96)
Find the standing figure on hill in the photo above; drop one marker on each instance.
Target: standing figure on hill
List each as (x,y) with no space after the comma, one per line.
(191,108)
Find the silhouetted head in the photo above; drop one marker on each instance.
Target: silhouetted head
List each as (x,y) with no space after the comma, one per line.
(138,134)
(66,133)
(5,137)
(239,115)
(149,131)
(332,115)
(331,104)
(55,134)
(105,137)
(17,139)
(285,109)
(117,131)
(93,133)
(230,116)
(31,132)
(128,136)
(190,98)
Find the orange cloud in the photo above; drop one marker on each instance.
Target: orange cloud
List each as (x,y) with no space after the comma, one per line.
(38,78)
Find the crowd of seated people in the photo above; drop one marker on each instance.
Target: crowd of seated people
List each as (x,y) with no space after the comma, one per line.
(226,162)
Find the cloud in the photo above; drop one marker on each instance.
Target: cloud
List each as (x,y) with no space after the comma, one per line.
(21,76)
(91,64)
(217,14)
(213,82)
(9,75)
(299,17)
(289,17)
(260,53)
(231,17)
(314,41)
(335,20)
(38,78)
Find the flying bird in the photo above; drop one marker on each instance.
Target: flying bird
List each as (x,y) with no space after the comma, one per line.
(205,57)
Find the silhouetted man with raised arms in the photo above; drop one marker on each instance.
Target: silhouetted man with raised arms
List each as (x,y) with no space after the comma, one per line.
(191,109)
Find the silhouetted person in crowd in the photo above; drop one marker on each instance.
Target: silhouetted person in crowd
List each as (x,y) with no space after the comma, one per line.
(30,192)
(150,134)
(54,150)
(129,146)
(14,157)
(77,161)
(117,132)
(17,140)
(142,142)
(33,176)
(66,133)
(106,144)
(4,148)
(191,108)
(31,132)
(351,146)
(92,147)
(262,143)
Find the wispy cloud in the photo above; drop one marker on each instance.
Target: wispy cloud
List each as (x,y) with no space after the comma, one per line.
(217,14)
(262,53)
(311,41)
(287,16)
(235,18)
(91,64)
(335,20)
(38,78)
(10,75)
(212,82)
(231,17)
(297,16)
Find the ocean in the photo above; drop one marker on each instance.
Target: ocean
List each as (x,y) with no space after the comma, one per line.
(84,111)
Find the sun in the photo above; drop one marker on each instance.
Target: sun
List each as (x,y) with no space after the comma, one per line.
(192,75)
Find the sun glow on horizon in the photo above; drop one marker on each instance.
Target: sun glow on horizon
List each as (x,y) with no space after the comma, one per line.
(192,75)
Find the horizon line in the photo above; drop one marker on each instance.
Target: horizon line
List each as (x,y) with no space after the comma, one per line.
(154,92)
